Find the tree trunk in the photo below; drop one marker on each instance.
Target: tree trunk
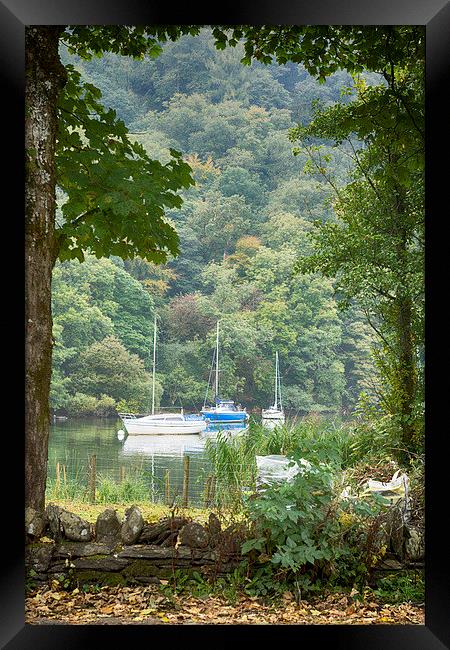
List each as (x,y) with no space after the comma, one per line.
(407,366)
(407,373)
(45,76)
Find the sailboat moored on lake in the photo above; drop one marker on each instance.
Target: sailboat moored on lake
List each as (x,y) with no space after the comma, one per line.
(275,414)
(225,410)
(161,423)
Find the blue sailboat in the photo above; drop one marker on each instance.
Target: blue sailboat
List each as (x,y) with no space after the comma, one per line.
(225,410)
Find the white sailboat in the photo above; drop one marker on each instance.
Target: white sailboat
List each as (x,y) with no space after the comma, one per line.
(275,414)
(161,423)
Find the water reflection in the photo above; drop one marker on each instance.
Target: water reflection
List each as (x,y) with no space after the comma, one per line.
(212,430)
(163,445)
(176,445)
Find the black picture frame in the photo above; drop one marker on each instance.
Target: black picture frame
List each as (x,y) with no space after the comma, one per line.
(435,15)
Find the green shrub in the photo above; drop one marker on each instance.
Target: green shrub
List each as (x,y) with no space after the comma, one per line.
(106,406)
(295,521)
(268,581)
(307,531)
(81,404)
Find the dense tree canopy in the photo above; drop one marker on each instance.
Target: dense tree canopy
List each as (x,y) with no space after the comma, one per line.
(242,228)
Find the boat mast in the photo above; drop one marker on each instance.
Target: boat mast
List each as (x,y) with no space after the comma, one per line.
(276,380)
(217,361)
(279,384)
(154,364)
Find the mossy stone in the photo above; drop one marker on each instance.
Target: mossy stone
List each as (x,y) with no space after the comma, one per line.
(104,578)
(144,568)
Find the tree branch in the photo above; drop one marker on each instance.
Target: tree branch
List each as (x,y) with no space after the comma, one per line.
(377,331)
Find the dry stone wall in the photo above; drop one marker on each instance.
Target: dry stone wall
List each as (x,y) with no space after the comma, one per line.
(129,551)
(112,551)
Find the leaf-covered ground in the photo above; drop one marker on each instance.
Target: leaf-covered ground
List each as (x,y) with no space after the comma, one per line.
(148,605)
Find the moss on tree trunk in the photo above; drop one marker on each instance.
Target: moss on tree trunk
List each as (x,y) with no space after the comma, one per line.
(45,76)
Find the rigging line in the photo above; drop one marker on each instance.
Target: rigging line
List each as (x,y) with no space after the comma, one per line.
(209,378)
(181,402)
(279,384)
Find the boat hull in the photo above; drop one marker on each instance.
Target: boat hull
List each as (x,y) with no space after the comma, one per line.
(226,418)
(171,424)
(273,416)
(277,418)
(136,428)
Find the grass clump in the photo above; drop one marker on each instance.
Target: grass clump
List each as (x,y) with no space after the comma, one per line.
(130,490)
(405,586)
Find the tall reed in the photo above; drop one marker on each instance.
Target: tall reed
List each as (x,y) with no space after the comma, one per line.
(233,465)
(234,458)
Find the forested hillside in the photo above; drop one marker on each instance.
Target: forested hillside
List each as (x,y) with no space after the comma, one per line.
(242,228)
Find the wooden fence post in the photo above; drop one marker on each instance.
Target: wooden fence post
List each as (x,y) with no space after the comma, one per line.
(92,477)
(207,491)
(153,478)
(212,491)
(167,487)
(185,481)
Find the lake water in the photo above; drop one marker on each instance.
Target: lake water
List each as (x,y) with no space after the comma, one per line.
(72,442)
